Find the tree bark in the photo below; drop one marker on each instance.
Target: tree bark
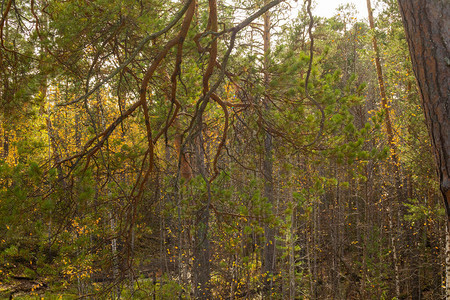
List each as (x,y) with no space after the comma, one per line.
(427,29)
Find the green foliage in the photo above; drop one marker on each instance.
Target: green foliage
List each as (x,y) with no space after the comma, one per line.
(80,213)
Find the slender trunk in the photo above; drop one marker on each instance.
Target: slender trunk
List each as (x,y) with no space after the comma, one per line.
(202,264)
(5,144)
(309,258)
(365,237)
(394,249)
(269,231)
(5,96)
(291,245)
(447,262)
(311,244)
(315,244)
(112,223)
(338,234)
(395,165)
(185,170)
(384,103)
(43,93)
(185,167)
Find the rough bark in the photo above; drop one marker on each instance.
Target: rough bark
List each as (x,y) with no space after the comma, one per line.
(427,29)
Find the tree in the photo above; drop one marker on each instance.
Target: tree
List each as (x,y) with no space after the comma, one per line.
(269,248)
(393,147)
(427,30)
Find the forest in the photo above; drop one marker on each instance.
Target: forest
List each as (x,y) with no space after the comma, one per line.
(224,149)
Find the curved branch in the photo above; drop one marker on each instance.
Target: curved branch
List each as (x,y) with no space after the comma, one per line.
(308,73)
(3,20)
(134,54)
(202,103)
(143,92)
(142,101)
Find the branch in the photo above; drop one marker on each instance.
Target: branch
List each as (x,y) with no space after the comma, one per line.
(142,101)
(257,14)
(308,73)
(133,55)
(202,103)
(177,40)
(3,20)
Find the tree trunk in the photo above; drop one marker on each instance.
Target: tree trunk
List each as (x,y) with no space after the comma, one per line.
(5,144)
(384,104)
(185,168)
(447,263)
(269,232)
(291,245)
(202,262)
(427,29)
(395,165)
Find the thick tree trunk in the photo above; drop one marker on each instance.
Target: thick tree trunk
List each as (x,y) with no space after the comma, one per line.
(427,29)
